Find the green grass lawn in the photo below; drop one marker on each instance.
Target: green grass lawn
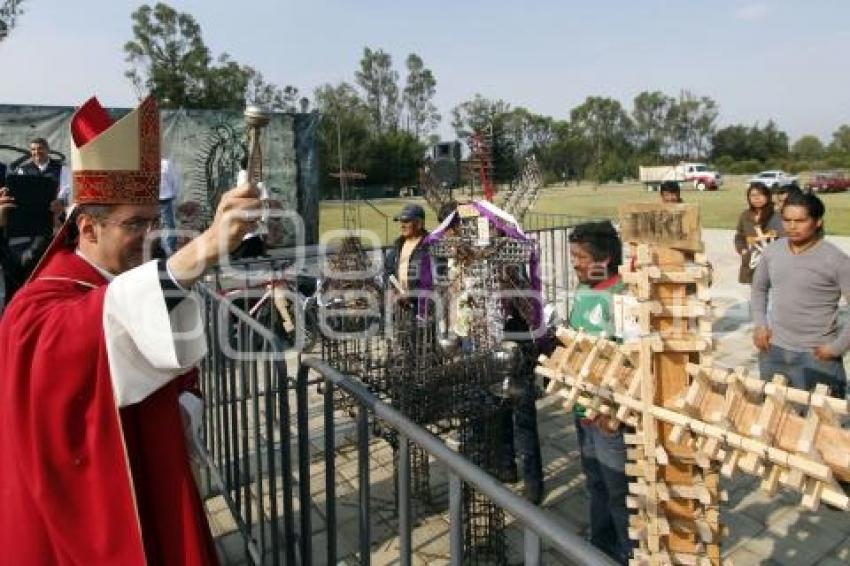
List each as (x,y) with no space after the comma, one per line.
(719,209)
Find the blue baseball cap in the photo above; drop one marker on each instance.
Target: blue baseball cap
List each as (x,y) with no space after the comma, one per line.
(410,212)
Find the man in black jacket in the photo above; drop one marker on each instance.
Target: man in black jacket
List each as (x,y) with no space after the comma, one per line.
(42,165)
(19,256)
(404,260)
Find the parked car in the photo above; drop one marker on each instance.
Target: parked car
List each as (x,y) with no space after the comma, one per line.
(774,179)
(828,182)
(698,174)
(409,191)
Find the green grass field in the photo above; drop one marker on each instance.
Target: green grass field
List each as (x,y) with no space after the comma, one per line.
(719,209)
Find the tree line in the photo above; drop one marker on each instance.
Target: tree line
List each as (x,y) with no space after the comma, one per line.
(381,123)
(375,126)
(601,140)
(168,58)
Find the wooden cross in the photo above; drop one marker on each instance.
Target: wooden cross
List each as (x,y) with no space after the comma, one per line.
(692,421)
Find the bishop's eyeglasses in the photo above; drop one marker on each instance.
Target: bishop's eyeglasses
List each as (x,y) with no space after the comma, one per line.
(136,224)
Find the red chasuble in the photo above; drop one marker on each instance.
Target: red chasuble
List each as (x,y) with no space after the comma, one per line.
(83,482)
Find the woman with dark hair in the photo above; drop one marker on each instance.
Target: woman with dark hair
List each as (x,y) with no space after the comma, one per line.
(758,225)
(807,277)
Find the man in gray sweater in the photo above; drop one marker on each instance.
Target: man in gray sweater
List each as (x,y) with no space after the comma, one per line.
(807,276)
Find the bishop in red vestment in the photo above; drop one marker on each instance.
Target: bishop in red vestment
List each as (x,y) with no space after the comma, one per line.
(94,354)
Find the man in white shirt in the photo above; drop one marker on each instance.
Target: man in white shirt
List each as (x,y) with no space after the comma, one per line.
(41,164)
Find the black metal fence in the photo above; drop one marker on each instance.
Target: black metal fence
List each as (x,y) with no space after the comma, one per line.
(538,525)
(260,452)
(247,430)
(536,220)
(248,277)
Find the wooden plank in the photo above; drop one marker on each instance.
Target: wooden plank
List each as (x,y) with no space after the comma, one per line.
(675,226)
(832,442)
(671,287)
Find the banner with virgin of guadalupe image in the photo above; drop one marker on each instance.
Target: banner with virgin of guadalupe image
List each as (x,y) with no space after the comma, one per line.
(208,148)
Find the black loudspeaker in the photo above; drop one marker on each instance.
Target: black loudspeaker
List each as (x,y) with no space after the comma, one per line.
(445,165)
(446,150)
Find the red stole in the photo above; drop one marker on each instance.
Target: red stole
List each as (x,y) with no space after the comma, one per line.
(82,482)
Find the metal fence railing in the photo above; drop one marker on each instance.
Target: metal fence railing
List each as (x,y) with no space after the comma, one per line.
(555,266)
(556,273)
(247,430)
(258,451)
(375,219)
(538,524)
(534,221)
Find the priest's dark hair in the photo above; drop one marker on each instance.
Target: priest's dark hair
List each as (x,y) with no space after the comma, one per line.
(97,211)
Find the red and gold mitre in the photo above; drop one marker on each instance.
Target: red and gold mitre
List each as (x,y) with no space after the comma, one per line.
(115,163)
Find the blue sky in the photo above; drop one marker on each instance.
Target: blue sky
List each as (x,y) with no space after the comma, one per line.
(771,59)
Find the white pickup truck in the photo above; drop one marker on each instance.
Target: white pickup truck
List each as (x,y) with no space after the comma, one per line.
(702,178)
(774,179)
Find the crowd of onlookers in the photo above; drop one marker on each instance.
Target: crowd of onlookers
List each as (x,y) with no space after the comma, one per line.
(797,280)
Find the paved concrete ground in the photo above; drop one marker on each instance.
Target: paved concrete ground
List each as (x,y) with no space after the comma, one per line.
(761,530)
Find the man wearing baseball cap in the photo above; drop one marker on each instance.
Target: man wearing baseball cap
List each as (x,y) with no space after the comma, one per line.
(405,259)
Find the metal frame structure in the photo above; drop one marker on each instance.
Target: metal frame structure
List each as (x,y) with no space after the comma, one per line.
(249,425)
(539,525)
(553,242)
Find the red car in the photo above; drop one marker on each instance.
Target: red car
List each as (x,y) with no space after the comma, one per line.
(828,182)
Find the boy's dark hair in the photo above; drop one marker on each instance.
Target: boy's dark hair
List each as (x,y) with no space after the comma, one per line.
(791,189)
(810,202)
(671,187)
(602,242)
(40,141)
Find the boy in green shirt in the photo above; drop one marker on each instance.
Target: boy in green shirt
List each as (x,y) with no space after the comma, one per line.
(596,254)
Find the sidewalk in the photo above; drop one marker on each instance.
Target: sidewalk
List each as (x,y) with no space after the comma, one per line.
(760,530)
